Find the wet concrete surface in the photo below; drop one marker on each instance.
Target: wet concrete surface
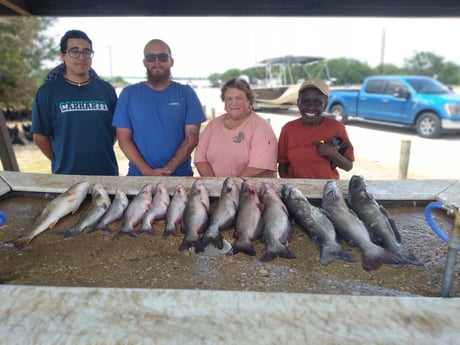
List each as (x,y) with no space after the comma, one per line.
(98,260)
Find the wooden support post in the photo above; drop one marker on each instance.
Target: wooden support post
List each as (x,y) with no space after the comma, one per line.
(404,159)
(7,155)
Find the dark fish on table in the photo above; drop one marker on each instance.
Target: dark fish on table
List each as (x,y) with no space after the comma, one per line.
(277,227)
(159,208)
(62,205)
(175,211)
(249,222)
(196,215)
(377,219)
(317,225)
(353,230)
(114,213)
(100,203)
(224,215)
(141,203)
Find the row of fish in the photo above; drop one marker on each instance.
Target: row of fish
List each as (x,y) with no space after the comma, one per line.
(361,222)
(254,215)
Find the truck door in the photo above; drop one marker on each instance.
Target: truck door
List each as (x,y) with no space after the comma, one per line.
(383,100)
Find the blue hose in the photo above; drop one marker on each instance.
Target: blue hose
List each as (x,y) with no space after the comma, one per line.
(2,218)
(429,219)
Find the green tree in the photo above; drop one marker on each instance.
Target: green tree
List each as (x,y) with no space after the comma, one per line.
(430,64)
(349,71)
(24,48)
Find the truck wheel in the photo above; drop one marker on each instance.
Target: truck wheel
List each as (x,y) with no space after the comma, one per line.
(338,111)
(428,125)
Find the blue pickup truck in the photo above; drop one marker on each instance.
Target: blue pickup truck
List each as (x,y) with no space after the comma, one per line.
(414,101)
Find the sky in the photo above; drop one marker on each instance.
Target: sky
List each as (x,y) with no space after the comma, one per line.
(205,45)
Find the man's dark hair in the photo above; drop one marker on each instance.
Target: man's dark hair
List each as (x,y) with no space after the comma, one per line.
(74,34)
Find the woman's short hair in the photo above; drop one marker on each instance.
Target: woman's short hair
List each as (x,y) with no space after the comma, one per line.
(240,84)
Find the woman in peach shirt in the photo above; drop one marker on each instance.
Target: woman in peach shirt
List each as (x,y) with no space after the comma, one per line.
(239,142)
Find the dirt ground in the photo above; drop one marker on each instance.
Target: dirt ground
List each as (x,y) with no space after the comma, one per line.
(98,260)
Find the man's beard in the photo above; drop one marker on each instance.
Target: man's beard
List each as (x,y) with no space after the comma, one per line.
(158,77)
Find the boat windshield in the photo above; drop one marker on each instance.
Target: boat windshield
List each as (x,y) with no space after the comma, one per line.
(292,69)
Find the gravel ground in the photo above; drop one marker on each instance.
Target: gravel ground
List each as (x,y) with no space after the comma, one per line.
(98,260)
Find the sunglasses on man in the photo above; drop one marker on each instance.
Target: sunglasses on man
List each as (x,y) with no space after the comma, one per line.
(162,57)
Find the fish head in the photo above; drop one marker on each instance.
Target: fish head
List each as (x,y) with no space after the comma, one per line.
(248,187)
(120,195)
(266,189)
(147,188)
(80,187)
(180,190)
(331,191)
(161,189)
(228,185)
(96,188)
(356,184)
(290,192)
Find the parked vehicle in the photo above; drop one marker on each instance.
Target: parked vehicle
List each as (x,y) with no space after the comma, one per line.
(419,102)
(280,89)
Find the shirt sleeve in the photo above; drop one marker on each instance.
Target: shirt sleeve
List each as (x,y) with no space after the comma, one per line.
(264,147)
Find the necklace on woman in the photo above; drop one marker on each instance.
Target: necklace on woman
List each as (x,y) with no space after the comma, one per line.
(79,84)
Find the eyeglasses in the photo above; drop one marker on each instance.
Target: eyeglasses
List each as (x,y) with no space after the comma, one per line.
(75,53)
(162,57)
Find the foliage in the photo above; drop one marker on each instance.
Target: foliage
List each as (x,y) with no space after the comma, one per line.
(430,64)
(351,71)
(24,49)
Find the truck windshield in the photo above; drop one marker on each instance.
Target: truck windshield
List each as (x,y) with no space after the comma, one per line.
(428,86)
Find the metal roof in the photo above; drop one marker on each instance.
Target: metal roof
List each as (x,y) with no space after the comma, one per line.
(291,59)
(344,8)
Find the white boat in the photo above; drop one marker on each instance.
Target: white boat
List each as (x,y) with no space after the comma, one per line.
(279,89)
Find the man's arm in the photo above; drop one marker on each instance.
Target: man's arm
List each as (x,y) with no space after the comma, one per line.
(185,149)
(283,169)
(44,144)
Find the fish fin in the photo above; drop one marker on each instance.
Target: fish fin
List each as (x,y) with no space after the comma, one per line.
(53,224)
(331,251)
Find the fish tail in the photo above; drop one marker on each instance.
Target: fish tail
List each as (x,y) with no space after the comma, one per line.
(377,258)
(123,231)
(215,239)
(69,233)
(102,227)
(409,257)
(18,243)
(243,246)
(272,252)
(332,251)
(197,244)
(170,229)
(147,228)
